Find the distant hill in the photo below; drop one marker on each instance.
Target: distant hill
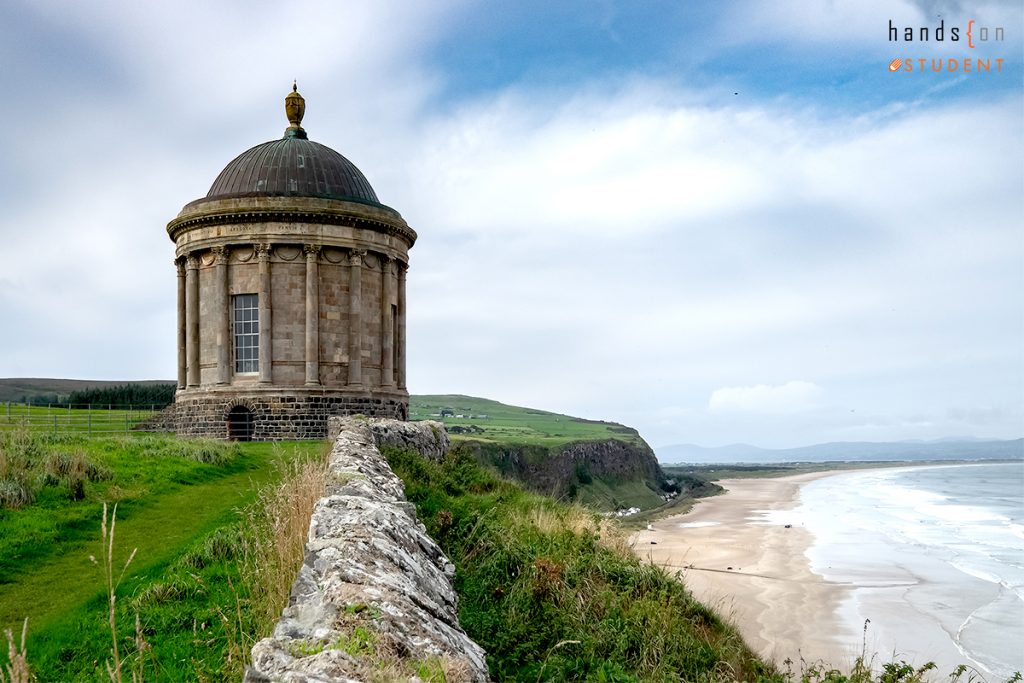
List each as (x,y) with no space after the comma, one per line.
(482,419)
(17,389)
(944,449)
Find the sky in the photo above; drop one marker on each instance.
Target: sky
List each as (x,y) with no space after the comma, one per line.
(715,222)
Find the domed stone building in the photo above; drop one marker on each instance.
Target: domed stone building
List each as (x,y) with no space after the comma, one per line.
(291,295)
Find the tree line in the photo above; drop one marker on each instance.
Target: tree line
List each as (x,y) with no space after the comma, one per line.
(156,395)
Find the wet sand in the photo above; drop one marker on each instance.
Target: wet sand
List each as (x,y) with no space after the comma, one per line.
(737,556)
(757,575)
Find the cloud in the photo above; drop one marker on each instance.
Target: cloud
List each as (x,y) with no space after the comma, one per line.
(792,397)
(620,247)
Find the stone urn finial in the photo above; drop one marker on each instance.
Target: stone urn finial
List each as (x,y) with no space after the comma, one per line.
(294,108)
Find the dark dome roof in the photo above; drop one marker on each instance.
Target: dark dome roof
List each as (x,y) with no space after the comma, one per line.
(293,166)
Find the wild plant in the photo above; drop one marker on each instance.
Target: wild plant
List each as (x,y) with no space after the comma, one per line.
(114,669)
(17,664)
(275,537)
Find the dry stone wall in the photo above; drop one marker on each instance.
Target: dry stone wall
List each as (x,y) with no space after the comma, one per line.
(373,599)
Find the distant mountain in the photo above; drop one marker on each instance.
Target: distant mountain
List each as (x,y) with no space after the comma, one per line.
(685,452)
(965,449)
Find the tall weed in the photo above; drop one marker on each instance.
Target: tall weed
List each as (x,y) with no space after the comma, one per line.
(107,563)
(17,659)
(31,461)
(16,491)
(275,539)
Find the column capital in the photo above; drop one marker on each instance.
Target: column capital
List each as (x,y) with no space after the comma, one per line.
(262,250)
(179,265)
(312,251)
(192,262)
(220,254)
(403,268)
(355,256)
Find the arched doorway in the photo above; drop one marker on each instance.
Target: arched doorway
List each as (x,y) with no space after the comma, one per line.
(240,423)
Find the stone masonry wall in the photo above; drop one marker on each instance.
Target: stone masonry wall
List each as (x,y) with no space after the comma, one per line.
(372,577)
(277,416)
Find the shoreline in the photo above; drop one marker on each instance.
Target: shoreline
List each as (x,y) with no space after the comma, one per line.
(750,555)
(757,576)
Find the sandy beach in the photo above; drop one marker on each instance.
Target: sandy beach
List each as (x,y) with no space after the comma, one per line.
(756,575)
(745,554)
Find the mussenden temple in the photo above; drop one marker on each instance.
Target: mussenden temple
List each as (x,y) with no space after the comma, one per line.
(291,295)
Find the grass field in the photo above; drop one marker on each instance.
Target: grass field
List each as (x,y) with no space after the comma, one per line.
(481,419)
(64,419)
(179,505)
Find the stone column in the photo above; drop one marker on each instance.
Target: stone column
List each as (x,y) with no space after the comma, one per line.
(192,319)
(223,304)
(355,317)
(400,337)
(387,328)
(182,358)
(266,361)
(312,315)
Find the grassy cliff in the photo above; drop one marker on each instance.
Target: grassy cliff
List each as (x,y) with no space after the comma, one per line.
(553,592)
(604,465)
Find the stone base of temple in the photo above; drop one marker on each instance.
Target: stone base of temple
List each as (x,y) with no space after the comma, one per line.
(276,414)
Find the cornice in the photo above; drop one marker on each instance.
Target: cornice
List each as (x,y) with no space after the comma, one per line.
(187,222)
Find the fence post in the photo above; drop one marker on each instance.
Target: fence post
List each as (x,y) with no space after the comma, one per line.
(90,419)
(126,422)
(55,425)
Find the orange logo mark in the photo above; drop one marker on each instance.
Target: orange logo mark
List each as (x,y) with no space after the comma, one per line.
(895,64)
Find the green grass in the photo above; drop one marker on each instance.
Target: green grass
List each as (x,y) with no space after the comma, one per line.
(179,503)
(491,421)
(553,593)
(612,495)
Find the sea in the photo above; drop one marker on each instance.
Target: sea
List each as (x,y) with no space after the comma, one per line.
(934,560)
